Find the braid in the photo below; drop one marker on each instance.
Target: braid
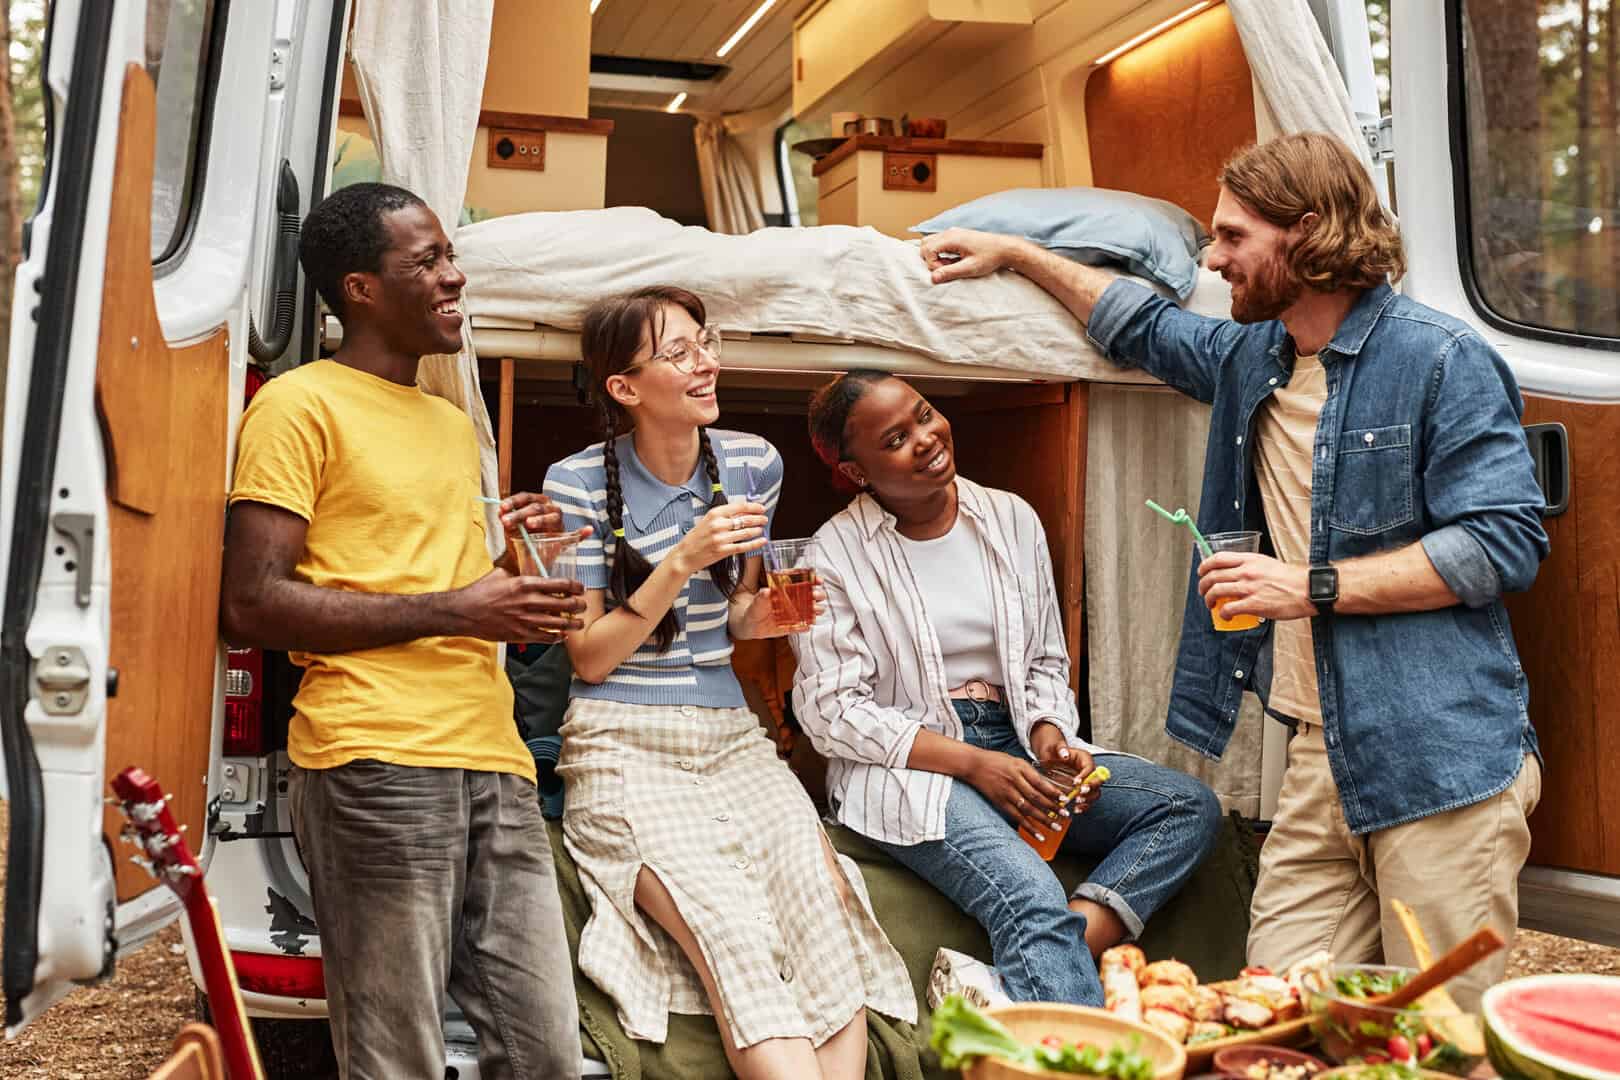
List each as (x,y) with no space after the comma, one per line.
(726,572)
(630,567)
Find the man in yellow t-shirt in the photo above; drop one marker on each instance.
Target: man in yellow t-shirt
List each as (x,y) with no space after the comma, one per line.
(356,543)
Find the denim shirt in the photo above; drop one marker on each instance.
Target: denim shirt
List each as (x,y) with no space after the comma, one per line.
(1418,442)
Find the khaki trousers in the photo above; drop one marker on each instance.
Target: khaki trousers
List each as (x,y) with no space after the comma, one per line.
(1323,887)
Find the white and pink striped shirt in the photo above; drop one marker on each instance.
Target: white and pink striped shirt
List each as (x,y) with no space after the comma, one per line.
(871,673)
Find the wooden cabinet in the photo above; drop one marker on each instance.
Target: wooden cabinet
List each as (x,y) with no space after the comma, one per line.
(892,184)
(836,41)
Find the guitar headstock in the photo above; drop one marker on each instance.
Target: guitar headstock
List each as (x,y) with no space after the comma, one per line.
(154,829)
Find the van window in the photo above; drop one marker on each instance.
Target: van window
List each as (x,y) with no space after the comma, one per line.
(178,33)
(799,188)
(1542,137)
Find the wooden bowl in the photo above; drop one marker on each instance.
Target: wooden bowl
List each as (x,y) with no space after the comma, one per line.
(1033,1021)
(1237,1060)
(1356,1072)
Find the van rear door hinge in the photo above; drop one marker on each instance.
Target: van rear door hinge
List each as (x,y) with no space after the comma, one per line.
(62,680)
(1380,139)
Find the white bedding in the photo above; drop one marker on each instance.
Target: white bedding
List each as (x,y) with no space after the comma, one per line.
(831,281)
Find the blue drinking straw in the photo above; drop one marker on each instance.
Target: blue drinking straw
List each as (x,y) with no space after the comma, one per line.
(753,493)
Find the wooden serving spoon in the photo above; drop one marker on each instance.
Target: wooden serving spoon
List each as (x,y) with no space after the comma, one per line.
(1442,1014)
(1470,951)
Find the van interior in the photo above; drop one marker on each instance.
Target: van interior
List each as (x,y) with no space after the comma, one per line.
(734,122)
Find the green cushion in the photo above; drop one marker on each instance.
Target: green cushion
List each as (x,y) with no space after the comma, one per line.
(1206,925)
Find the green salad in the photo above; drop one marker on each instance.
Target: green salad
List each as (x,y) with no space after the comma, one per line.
(963,1034)
(1361,983)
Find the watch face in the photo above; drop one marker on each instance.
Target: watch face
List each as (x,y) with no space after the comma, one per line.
(1323,583)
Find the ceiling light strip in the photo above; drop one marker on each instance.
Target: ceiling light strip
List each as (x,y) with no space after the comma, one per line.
(748,24)
(1144,35)
(676,102)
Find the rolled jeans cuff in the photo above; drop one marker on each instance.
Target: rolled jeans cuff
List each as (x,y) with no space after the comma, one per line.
(1114,902)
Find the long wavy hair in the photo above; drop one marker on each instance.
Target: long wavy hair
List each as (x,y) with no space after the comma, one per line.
(1355,244)
(609,341)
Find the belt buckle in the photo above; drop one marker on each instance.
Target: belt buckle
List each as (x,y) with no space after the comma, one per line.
(976,690)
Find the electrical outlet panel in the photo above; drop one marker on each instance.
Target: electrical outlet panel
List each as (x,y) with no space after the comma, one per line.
(512,149)
(910,172)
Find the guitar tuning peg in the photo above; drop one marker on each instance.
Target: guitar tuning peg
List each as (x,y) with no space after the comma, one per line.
(144,863)
(128,835)
(112,800)
(168,798)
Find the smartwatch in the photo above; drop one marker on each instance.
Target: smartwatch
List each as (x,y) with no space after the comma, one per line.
(1322,586)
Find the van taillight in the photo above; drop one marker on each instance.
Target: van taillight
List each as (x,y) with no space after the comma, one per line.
(244,668)
(244,700)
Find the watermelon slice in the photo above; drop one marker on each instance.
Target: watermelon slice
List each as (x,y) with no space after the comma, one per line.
(1554,1027)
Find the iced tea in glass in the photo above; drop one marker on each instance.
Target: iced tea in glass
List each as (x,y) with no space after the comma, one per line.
(790,571)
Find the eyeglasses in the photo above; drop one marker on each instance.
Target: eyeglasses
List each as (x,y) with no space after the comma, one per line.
(684,354)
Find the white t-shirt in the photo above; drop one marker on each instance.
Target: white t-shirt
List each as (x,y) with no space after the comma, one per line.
(951,572)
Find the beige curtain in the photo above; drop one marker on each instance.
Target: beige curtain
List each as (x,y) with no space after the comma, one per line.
(1149,444)
(731,186)
(420,67)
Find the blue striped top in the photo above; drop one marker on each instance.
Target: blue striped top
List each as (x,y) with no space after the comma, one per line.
(696,669)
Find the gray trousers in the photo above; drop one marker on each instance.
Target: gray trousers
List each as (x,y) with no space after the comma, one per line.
(434,880)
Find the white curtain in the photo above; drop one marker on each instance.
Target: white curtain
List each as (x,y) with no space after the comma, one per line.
(1149,444)
(1300,86)
(420,68)
(731,192)
(1143,445)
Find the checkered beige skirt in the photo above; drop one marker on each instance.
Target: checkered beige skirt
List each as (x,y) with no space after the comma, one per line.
(700,798)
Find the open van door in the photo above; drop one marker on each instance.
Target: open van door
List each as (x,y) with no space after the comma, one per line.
(127,352)
(1506,144)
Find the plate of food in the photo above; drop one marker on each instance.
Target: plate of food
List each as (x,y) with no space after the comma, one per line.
(1041,1039)
(1257,1007)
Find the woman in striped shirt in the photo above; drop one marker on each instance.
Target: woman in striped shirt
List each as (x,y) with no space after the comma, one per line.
(678,807)
(943,660)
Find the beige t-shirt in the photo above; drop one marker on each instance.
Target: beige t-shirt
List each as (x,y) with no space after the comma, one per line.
(1285,435)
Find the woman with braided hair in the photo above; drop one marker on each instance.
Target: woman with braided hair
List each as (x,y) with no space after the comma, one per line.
(713,887)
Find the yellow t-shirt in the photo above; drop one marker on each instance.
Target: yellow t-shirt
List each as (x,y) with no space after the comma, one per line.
(387,477)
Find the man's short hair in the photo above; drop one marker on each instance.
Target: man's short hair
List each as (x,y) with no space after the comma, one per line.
(345,234)
(1355,244)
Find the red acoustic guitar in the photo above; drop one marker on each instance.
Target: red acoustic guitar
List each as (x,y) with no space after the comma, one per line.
(171,862)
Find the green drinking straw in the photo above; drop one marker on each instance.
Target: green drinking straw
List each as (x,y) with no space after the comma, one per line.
(528,540)
(1180,518)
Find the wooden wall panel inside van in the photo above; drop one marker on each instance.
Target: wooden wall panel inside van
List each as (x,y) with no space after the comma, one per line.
(1162,118)
(163,412)
(1567,628)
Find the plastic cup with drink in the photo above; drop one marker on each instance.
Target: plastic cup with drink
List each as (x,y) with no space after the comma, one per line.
(1050,837)
(1231,541)
(790,571)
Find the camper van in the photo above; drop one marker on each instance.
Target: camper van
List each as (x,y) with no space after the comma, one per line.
(772,154)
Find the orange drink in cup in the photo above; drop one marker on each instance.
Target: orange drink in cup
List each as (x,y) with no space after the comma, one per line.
(1230,541)
(1051,837)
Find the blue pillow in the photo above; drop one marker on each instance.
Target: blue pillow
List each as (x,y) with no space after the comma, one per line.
(1096,226)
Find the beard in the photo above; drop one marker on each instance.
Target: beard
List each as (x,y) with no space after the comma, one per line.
(1267,293)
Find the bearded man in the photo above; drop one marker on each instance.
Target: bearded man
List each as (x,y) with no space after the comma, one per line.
(1375,445)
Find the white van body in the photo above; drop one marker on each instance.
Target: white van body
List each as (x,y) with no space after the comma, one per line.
(78,701)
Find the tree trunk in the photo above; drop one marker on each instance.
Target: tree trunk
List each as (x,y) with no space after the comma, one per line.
(10,202)
(1585,280)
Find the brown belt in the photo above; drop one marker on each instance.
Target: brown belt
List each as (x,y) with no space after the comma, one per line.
(976,690)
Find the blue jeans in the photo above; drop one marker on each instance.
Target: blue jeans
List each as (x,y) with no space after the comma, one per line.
(1151,828)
